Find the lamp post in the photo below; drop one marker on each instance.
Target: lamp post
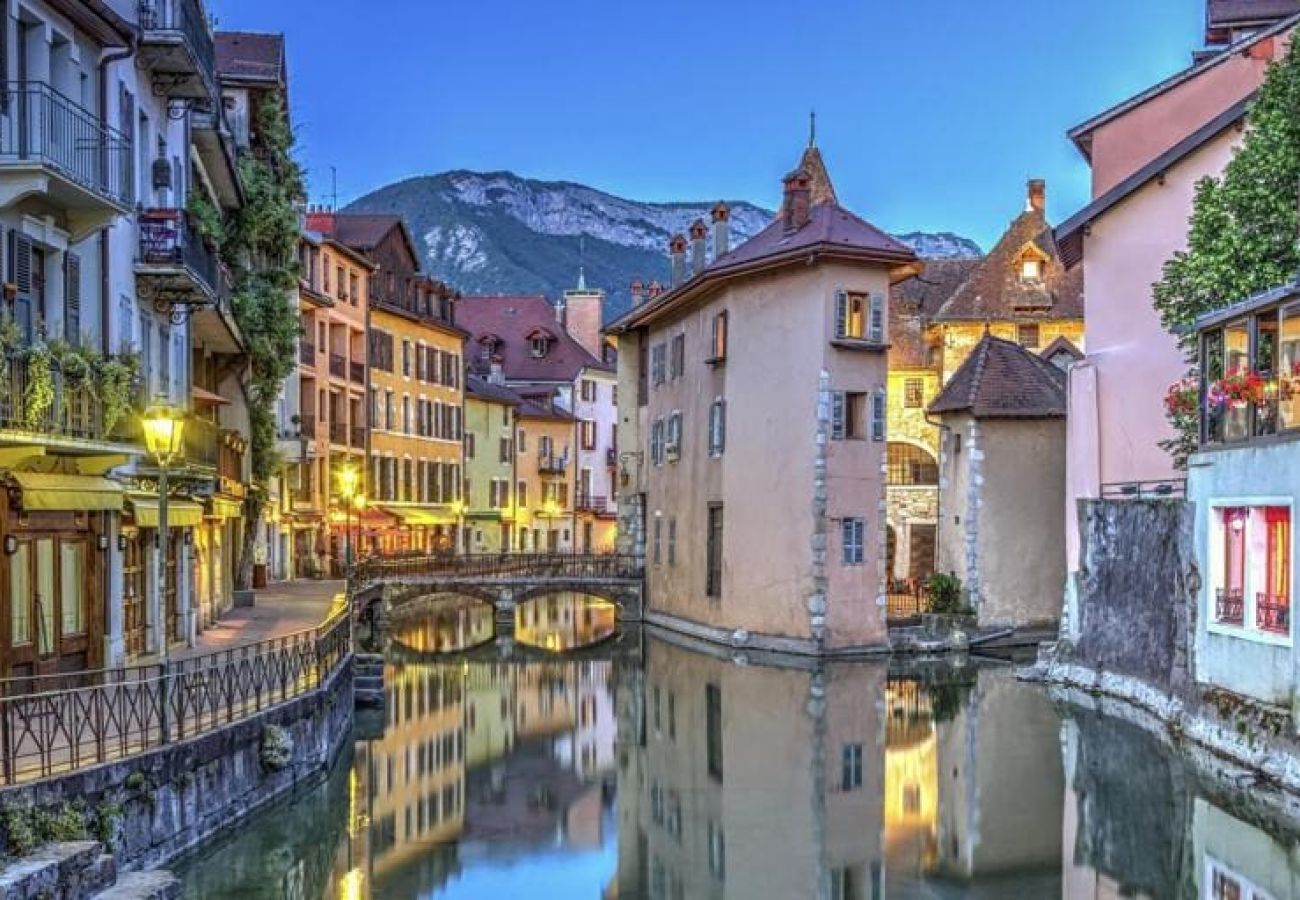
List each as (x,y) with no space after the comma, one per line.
(164,426)
(349,480)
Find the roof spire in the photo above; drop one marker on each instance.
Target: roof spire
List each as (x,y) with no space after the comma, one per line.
(582,279)
(582,255)
(812,128)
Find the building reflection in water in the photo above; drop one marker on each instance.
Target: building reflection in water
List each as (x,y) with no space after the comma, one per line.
(450,624)
(658,772)
(564,621)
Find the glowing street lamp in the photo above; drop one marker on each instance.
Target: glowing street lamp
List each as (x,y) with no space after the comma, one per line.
(349,477)
(164,428)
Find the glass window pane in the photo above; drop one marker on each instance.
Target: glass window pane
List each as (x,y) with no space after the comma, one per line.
(1288,369)
(45,594)
(20,594)
(71,586)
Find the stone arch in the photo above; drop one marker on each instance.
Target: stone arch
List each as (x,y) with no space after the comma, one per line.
(905,451)
(609,593)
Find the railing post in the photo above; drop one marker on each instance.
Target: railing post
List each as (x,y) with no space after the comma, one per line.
(6,737)
(164,692)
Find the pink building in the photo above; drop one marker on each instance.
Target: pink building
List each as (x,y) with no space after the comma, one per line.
(1147,155)
(752,434)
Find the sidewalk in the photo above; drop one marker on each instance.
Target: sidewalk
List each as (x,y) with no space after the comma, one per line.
(278,610)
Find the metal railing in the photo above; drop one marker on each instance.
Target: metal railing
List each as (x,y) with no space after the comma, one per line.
(357,372)
(74,411)
(591,503)
(1272,613)
(185,17)
(338,365)
(1162,489)
(307,353)
(307,425)
(43,126)
(906,601)
(55,724)
(559,566)
(552,463)
(1229,607)
(168,238)
(359,438)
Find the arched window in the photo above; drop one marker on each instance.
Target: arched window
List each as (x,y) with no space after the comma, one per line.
(911,465)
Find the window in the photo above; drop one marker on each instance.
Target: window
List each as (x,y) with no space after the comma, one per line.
(469,446)
(859,316)
(909,465)
(657,443)
(673,437)
(713,552)
(354,288)
(1289,368)
(523,441)
(340,282)
(852,541)
(658,540)
(677,365)
(913,393)
(587,431)
(20,595)
(878,416)
(1252,568)
(848,415)
(588,390)
(713,730)
(1031,270)
(672,716)
(1027,336)
(717,427)
(851,767)
(719,337)
(406,358)
(521,494)
(505,450)
(539,345)
(658,366)
(672,549)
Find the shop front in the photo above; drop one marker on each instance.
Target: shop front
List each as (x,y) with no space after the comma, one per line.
(139,542)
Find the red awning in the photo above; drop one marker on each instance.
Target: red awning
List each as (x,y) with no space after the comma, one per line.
(207,398)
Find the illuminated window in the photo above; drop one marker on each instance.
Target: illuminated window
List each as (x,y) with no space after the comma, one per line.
(1031,269)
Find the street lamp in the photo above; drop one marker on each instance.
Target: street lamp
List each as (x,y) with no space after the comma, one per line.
(349,480)
(164,426)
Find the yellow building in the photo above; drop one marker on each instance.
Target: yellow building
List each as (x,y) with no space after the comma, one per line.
(416,391)
(1019,291)
(490,462)
(544,516)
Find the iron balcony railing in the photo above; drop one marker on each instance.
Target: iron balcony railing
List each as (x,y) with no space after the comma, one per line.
(357,372)
(73,411)
(1273,613)
(555,566)
(167,238)
(307,425)
(54,724)
(338,365)
(202,440)
(184,17)
(42,126)
(591,503)
(359,438)
(1165,489)
(307,353)
(906,601)
(552,463)
(339,433)
(1229,607)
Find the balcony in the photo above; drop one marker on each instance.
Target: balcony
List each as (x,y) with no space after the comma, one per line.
(74,411)
(55,150)
(307,426)
(1273,613)
(357,372)
(338,365)
(202,440)
(175,261)
(359,438)
(176,46)
(552,464)
(307,353)
(1229,607)
(592,503)
(339,433)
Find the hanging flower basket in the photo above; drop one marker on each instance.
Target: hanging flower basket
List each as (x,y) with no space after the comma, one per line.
(1236,391)
(1182,399)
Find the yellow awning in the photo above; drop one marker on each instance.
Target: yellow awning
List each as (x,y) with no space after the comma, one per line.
(180,513)
(419,515)
(225,509)
(68,493)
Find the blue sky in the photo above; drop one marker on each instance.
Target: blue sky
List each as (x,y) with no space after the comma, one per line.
(931,113)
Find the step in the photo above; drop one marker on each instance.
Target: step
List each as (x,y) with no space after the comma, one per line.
(156,885)
(55,870)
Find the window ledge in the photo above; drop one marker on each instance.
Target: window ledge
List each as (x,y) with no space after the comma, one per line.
(714,362)
(1243,633)
(859,345)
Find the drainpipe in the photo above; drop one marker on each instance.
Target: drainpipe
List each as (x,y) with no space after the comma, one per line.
(104,304)
(944,430)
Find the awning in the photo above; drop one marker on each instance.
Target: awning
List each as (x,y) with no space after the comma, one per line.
(207,398)
(180,513)
(68,493)
(221,508)
(419,515)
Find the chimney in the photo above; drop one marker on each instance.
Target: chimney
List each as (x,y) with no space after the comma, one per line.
(677,250)
(638,292)
(721,229)
(798,198)
(320,219)
(1037,195)
(699,234)
(654,290)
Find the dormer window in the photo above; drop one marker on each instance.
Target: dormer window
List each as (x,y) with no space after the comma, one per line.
(539,342)
(488,346)
(1031,270)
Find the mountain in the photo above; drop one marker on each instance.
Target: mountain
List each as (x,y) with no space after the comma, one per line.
(496,233)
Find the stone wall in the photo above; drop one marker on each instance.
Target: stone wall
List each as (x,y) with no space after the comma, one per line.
(172,799)
(1136,590)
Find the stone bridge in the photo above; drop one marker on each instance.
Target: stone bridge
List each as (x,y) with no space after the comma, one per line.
(383,584)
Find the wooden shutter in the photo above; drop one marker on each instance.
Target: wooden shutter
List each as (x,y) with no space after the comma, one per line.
(20,273)
(878,416)
(841,313)
(72,298)
(839,416)
(722,426)
(876,320)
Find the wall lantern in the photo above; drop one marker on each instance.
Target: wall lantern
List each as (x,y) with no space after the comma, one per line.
(11,544)
(121,543)
(103,542)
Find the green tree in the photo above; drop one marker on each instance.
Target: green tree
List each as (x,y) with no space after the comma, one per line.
(260,247)
(1242,235)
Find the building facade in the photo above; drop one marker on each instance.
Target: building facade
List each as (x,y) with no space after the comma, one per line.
(490,466)
(794,559)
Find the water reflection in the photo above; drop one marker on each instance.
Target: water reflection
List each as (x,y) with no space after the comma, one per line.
(658,772)
(564,621)
(447,625)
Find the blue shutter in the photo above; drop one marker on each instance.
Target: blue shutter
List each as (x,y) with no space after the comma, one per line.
(841,313)
(878,415)
(876,319)
(838,415)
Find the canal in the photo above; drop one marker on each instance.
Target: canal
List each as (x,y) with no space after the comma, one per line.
(576,760)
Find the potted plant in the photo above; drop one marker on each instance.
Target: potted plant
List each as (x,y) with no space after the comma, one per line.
(1236,390)
(949,610)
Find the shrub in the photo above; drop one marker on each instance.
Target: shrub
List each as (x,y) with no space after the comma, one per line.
(945,594)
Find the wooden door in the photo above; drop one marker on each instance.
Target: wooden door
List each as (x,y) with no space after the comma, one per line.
(134,619)
(921,552)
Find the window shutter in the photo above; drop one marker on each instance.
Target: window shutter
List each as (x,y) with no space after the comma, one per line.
(722,426)
(72,299)
(20,262)
(838,417)
(841,313)
(878,416)
(876,328)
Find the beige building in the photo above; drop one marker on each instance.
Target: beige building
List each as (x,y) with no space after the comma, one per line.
(753,429)
(1002,482)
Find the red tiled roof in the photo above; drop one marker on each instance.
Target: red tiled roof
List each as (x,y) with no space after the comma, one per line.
(1001,379)
(513,319)
(914,301)
(250,56)
(994,290)
(362,231)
